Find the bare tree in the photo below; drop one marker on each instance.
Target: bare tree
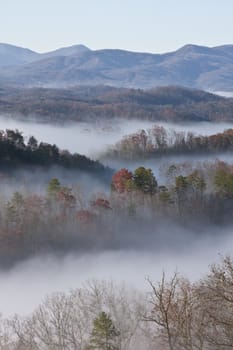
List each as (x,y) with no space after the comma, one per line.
(176,314)
(216,295)
(65,321)
(54,325)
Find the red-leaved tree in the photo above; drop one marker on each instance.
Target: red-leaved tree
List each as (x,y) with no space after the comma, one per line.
(122,181)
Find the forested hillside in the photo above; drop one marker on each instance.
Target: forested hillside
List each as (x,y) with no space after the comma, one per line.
(159,141)
(173,104)
(63,219)
(16,153)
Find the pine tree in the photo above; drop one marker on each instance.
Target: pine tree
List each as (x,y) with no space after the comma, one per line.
(104,334)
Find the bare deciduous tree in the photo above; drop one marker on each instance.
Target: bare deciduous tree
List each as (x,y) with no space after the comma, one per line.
(176,314)
(65,321)
(216,294)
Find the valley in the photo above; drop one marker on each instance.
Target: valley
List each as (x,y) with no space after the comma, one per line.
(116,193)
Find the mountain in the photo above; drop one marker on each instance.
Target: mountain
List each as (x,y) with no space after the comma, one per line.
(66,51)
(191,66)
(11,55)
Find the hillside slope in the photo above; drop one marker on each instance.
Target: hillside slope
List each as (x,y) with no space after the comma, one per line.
(104,102)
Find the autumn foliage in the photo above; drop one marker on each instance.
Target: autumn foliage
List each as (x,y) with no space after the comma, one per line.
(122,181)
(158,141)
(61,219)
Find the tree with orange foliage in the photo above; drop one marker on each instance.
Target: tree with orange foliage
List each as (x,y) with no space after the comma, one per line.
(122,181)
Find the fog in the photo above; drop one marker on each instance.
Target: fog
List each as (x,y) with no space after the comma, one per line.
(83,138)
(25,285)
(36,181)
(224,93)
(93,139)
(157,164)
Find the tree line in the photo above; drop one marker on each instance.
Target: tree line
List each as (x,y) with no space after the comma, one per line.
(15,152)
(173,314)
(101,102)
(158,141)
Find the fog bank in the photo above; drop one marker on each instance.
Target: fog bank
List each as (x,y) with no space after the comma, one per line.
(93,139)
(24,286)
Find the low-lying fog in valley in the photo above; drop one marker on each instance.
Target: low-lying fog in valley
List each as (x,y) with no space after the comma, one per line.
(83,138)
(24,285)
(224,93)
(93,139)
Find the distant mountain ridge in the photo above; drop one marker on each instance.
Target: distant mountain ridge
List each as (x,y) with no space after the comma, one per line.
(15,55)
(191,66)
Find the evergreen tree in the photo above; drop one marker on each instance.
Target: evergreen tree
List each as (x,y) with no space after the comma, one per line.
(144,180)
(53,187)
(104,334)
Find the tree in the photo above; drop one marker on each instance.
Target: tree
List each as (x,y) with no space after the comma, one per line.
(64,321)
(178,317)
(53,187)
(56,324)
(163,305)
(15,136)
(216,296)
(196,182)
(122,181)
(15,211)
(32,143)
(104,334)
(224,182)
(144,180)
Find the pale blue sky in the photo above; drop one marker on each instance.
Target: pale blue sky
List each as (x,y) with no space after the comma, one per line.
(137,25)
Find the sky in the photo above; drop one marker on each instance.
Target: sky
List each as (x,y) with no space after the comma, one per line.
(137,25)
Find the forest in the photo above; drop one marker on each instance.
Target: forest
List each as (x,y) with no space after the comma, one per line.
(174,104)
(62,219)
(15,153)
(159,141)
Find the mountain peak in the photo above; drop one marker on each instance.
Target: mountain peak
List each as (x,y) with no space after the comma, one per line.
(193,49)
(67,51)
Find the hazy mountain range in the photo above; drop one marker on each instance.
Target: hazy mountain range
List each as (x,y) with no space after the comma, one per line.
(192,66)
